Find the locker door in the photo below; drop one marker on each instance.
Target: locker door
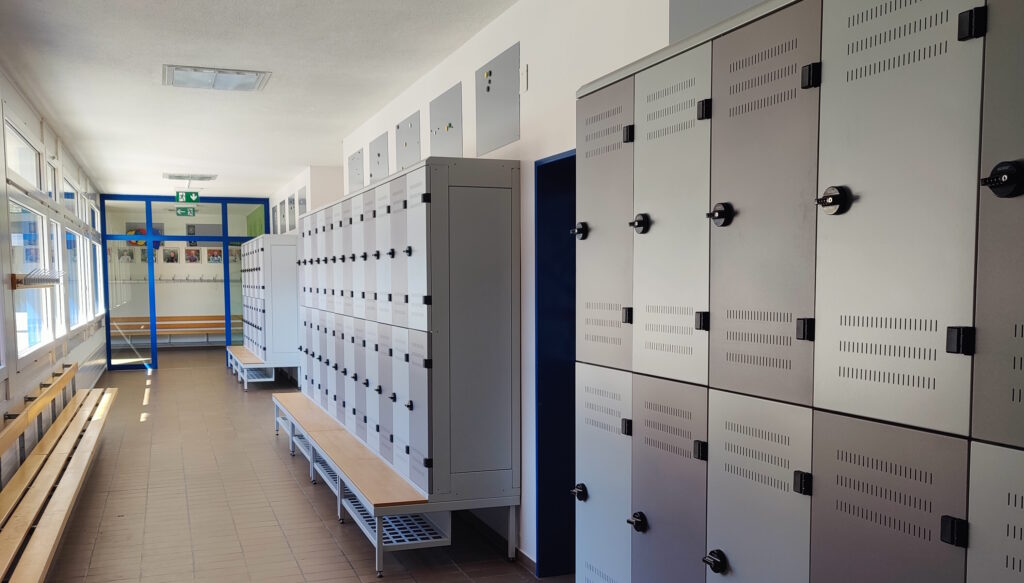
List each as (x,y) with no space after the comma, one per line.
(764,164)
(416,250)
(999,364)
(880,496)
(383,390)
(345,257)
(351,414)
(419,407)
(604,204)
(323,360)
(399,266)
(337,273)
(303,348)
(899,128)
(382,253)
(996,553)
(338,370)
(369,385)
(669,483)
(399,395)
(671,187)
(314,260)
(356,259)
(603,452)
(323,222)
(755,516)
(315,354)
(306,266)
(367,257)
(358,376)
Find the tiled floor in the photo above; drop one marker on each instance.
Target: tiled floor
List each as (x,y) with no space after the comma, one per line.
(191,484)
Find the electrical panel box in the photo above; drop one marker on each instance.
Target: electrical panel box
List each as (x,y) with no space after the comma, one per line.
(996,552)
(355,171)
(604,243)
(759,501)
(999,363)
(671,178)
(895,270)
(446,123)
(407,141)
(421,329)
(379,158)
(497,101)
(764,148)
(884,500)
(269,290)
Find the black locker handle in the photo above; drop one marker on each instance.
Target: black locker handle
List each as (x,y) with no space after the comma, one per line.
(380,390)
(394,398)
(836,200)
(716,561)
(408,405)
(366,382)
(391,253)
(1006,179)
(580,231)
(580,492)
(722,214)
(641,223)
(408,251)
(638,521)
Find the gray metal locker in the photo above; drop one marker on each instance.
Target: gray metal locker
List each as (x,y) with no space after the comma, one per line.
(322,268)
(383,391)
(996,553)
(305,270)
(417,262)
(366,258)
(324,359)
(337,272)
(604,246)
(352,417)
(419,405)
(764,166)
(884,498)
(671,178)
(383,253)
(339,369)
(759,512)
(369,385)
(358,266)
(900,98)
(669,486)
(358,376)
(603,454)
(344,256)
(399,266)
(999,364)
(399,395)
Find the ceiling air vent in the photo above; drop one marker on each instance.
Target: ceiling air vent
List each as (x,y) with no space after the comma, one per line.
(211,78)
(192,177)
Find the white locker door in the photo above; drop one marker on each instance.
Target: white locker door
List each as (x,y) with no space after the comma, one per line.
(322,255)
(756,518)
(359,377)
(383,392)
(672,190)
(367,257)
(305,267)
(603,474)
(337,271)
(338,365)
(416,250)
(399,395)
(314,261)
(356,258)
(383,253)
(314,355)
(996,551)
(419,406)
(327,376)
(350,375)
(399,265)
(345,257)
(370,387)
(900,124)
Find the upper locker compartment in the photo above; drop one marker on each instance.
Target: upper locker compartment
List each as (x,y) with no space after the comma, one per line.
(417,258)
(764,171)
(668,224)
(604,242)
(898,186)
(999,364)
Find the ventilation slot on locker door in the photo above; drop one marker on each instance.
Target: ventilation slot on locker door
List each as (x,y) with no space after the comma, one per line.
(669,335)
(606,135)
(595,575)
(664,429)
(763,55)
(904,30)
(606,416)
(863,486)
(876,46)
(1015,532)
(772,328)
(883,9)
(860,348)
(602,315)
(766,86)
(674,112)
(758,455)
(1017,367)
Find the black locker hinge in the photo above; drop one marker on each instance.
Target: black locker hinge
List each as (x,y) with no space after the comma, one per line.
(627,426)
(428,462)
(954,531)
(972,23)
(805,329)
(425,197)
(700,450)
(427,300)
(960,340)
(627,315)
(428,363)
(803,483)
(628,133)
(407,450)
(391,438)
(810,76)
(702,321)
(704,109)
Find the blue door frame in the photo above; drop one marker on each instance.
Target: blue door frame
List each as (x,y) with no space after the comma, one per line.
(151,241)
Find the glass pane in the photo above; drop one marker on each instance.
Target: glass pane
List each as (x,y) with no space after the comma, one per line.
(22,158)
(273,220)
(94,217)
(97,280)
(283,217)
(189,284)
(51,181)
(302,201)
(32,306)
(128,278)
(126,217)
(70,197)
(205,223)
(78,307)
(291,212)
(53,247)
(245,220)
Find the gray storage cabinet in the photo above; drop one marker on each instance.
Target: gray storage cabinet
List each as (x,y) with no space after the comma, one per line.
(269,289)
(410,324)
(996,553)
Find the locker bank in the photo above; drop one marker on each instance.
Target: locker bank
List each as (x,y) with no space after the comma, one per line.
(659,291)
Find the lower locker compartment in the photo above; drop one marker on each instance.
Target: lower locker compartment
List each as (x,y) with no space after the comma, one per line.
(996,553)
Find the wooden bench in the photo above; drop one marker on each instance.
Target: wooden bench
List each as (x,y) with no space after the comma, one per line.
(248,367)
(382,503)
(36,504)
(130,326)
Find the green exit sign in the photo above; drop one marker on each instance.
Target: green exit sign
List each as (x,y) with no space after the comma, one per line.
(187,196)
(185,211)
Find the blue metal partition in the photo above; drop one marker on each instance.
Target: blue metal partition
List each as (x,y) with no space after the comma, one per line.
(151,240)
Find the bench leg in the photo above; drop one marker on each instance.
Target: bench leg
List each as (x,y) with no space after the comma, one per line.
(341,490)
(513,532)
(291,438)
(277,419)
(379,546)
(245,381)
(312,460)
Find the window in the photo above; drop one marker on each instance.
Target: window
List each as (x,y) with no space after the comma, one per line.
(283,228)
(302,201)
(57,291)
(291,213)
(22,157)
(32,316)
(51,182)
(70,197)
(77,272)
(97,280)
(94,217)
(273,220)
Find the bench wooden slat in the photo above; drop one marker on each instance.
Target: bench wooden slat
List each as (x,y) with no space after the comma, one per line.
(145,319)
(244,355)
(18,526)
(56,430)
(35,560)
(308,415)
(11,431)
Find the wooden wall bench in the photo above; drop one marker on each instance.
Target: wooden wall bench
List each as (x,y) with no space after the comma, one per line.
(130,326)
(36,504)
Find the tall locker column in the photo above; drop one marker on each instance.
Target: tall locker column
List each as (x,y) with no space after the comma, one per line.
(604,242)
(669,224)
(345,256)
(399,274)
(367,257)
(383,254)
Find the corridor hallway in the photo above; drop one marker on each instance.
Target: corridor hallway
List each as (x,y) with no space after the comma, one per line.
(191,484)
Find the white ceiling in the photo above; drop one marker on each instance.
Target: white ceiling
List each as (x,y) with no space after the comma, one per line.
(94,68)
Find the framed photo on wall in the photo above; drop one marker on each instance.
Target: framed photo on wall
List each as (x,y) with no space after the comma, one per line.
(215,256)
(172,254)
(126,255)
(193,255)
(234,254)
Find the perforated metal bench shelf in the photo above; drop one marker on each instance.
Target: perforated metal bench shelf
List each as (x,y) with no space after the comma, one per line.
(302,444)
(327,472)
(400,531)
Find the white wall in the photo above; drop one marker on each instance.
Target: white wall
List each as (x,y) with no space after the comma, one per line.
(688,17)
(565,44)
(323,184)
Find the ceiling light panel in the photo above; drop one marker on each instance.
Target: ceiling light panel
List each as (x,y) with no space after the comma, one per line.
(212,78)
(193,177)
